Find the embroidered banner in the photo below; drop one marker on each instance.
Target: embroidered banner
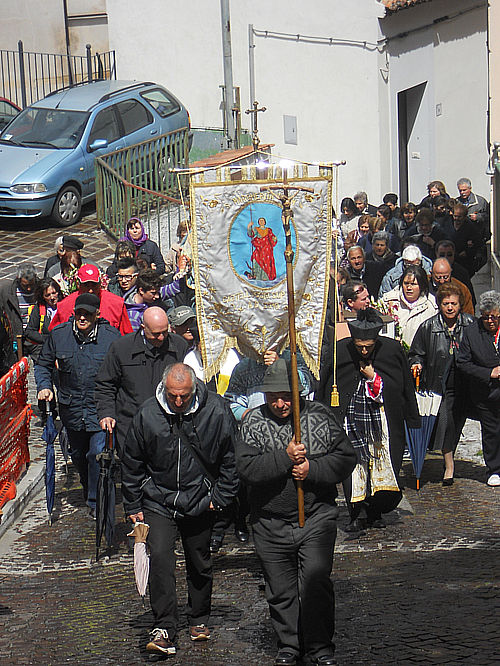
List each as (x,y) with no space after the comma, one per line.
(238,244)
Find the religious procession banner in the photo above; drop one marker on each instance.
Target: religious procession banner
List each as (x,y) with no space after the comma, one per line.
(238,244)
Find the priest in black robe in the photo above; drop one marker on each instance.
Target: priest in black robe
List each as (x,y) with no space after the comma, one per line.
(376,396)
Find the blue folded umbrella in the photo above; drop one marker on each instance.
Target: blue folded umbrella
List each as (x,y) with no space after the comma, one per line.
(49,435)
(418,438)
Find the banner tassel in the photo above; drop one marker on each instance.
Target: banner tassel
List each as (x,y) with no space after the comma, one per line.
(334,400)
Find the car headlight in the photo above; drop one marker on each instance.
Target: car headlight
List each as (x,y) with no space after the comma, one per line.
(28,188)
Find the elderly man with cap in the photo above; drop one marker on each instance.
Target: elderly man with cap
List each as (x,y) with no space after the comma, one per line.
(296,561)
(132,369)
(63,243)
(112,307)
(76,349)
(376,398)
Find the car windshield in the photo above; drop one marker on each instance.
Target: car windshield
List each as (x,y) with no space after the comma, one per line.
(51,128)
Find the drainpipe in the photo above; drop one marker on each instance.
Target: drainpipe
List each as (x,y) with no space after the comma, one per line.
(251,63)
(68,45)
(228,73)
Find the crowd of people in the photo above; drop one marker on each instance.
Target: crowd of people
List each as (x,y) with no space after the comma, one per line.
(118,350)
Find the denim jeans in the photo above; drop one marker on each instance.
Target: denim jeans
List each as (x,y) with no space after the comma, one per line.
(84,446)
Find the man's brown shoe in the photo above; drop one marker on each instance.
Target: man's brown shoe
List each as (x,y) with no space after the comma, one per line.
(160,642)
(199,633)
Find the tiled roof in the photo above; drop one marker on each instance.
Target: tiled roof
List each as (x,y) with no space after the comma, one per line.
(229,156)
(394,5)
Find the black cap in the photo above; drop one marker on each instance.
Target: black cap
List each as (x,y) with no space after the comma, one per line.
(72,243)
(277,378)
(367,326)
(88,302)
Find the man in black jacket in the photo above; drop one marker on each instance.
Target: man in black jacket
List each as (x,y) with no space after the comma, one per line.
(77,348)
(132,370)
(178,469)
(296,561)
(369,272)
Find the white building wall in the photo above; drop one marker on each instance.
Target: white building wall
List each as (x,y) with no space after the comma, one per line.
(344,97)
(333,91)
(40,25)
(451,56)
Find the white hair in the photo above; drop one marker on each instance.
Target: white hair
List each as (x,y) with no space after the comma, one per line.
(464,181)
(488,301)
(412,253)
(361,196)
(58,243)
(355,247)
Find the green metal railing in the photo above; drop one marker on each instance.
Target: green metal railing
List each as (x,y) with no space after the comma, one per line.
(137,182)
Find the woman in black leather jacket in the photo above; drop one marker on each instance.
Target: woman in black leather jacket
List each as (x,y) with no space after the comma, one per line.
(433,356)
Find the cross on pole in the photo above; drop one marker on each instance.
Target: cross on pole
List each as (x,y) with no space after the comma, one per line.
(255,130)
(285,200)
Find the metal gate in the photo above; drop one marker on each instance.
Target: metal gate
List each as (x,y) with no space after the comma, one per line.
(27,76)
(136,182)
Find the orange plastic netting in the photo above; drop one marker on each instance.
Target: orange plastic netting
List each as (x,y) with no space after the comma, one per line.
(15,415)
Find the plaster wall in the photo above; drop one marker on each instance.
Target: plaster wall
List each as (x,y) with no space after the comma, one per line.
(451,56)
(332,90)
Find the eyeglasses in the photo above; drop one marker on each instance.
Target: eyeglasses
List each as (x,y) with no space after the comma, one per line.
(127,278)
(487,317)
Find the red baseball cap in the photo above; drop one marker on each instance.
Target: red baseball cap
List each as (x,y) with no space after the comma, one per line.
(89,273)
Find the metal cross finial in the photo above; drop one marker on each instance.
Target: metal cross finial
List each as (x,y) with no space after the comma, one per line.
(255,130)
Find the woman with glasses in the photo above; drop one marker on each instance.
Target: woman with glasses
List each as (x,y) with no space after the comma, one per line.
(410,304)
(479,360)
(433,356)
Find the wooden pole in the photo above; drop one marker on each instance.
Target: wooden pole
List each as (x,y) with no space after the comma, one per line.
(286,216)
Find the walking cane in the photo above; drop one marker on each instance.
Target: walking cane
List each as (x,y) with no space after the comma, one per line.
(19,341)
(287,215)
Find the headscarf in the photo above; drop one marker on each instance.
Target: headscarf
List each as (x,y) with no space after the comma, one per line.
(141,240)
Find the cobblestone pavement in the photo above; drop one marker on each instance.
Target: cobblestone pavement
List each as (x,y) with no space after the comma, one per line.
(423,591)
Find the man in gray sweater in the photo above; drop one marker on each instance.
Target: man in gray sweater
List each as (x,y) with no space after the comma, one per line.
(296,561)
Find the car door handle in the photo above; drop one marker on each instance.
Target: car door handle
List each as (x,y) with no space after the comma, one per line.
(154,131)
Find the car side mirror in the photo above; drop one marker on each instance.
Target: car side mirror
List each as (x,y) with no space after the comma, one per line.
(98,144)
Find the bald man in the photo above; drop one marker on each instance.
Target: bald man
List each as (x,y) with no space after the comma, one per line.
(441,273)
(132,369)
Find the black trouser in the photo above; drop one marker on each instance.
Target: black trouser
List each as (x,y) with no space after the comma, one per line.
(237,513)
(489,417)
(195,535)
(297,562)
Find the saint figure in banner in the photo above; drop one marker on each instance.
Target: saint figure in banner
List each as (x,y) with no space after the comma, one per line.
(263,242)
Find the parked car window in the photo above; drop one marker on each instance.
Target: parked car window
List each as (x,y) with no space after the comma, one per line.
(55,128)
(134,115)
(7,112)
(105,126)
(161,102)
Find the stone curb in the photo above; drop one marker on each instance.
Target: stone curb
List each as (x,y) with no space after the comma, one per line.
(29,486)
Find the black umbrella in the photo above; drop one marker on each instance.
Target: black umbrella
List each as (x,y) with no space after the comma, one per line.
(49,435)
(106,494)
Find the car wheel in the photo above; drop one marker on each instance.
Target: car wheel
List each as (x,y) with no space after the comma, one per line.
(68,207)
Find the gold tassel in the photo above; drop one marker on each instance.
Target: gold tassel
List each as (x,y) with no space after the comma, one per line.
(334,400)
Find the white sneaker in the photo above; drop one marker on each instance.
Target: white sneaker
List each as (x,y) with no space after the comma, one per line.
(494,480)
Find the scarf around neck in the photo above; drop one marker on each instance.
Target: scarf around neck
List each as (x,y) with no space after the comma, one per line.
(140,241)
